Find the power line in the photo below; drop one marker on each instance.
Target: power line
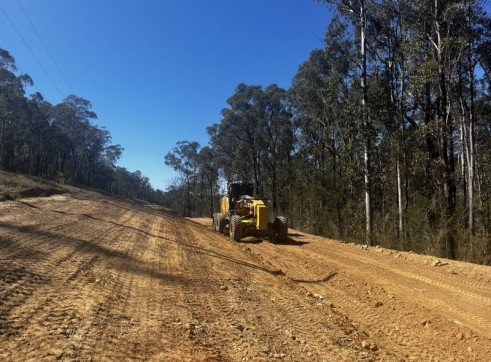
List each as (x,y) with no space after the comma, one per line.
(45,47)
(18,68)
(34,55)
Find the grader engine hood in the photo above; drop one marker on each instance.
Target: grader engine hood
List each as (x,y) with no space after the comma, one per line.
(253,212)
(261,212)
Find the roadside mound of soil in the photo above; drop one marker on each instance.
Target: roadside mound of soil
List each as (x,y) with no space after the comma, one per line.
(15,186)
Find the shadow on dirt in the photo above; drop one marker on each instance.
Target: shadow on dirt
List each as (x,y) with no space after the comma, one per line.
(10,248)
(125,262)
(27,204)
(29,192)
(192,247)
(18,284)
(252,240)
(292,242)
(256,240)
(296,235)
(213,253)
(249,239)
(323,280)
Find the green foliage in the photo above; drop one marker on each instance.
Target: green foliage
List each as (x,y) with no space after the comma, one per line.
(304,148)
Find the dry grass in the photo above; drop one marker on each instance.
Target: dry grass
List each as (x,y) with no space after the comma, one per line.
(14,186)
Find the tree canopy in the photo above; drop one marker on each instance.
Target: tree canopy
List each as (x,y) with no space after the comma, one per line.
(383,135)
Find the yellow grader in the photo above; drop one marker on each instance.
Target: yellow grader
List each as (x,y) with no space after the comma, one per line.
(244,215)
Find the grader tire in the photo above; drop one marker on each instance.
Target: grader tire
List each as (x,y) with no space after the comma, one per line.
(221,223)
(235,228)
(281,229)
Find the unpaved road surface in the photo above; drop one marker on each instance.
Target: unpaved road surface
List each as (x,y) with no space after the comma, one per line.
(89,278)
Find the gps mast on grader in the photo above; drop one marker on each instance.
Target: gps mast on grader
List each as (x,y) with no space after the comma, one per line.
(245,215)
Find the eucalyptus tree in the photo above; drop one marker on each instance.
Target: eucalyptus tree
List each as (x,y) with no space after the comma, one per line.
(276,144)
(41,139)
(12,104)
(71,124)
(183,158)
(356,12)
(388,37)
(474,36)
(254,140)
(444,67)
(132,185)
(105,175)
(37,143)
(209,172)
(211,166)
(95,140)
(241,124)
(325,115)
(440,22)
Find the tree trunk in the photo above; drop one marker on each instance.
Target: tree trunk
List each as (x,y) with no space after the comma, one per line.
(402,180)
(189,196)
(366,123)
(471,153)
(212,207)
(444,125)
(400,229)
(2,131)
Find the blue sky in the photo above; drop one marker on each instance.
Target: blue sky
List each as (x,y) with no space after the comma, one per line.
(158,71)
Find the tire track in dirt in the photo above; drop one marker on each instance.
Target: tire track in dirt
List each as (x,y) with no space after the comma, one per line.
(28,243)
(205,304)
(139,278)
(286,324)
(170,314)
(446,296)
(425,273)
(74,260)
(304,329)
(209,307)
(338,329)
(348,276)
(51,303)
(374,320)
(92,278)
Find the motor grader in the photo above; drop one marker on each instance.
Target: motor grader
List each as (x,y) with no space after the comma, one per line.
(244,215)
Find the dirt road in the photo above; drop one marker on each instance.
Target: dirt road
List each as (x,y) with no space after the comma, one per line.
(89,278)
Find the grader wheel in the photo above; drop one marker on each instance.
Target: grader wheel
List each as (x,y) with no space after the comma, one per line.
(221,223)
(281,229)
(235,228)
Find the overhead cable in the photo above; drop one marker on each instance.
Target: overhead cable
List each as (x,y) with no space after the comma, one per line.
(32,52)
(45,47)
(18,68)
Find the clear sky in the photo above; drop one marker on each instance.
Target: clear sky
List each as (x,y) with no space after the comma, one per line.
(158,71)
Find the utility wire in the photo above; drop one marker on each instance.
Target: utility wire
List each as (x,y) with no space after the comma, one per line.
(19,69)
(34,55)
(45,47)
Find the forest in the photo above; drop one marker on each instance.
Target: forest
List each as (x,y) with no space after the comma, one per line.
(383,138)
(60,141)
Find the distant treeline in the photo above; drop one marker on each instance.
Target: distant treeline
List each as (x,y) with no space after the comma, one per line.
(60,141)
(384,136)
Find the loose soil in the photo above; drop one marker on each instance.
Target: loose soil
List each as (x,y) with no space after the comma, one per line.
(85,277)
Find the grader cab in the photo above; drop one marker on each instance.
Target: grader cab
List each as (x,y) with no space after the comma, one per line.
(244,215)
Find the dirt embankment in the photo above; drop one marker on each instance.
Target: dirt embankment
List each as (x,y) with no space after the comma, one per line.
(89,278)
(14,186)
